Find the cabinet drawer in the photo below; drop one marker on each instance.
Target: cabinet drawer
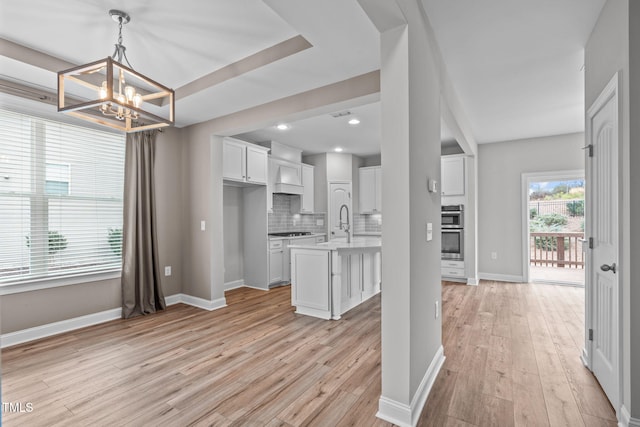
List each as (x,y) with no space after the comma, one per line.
(452,264)
(275,244)
(452,272)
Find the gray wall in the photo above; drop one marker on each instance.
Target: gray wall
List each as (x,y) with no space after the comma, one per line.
(29,309)
(500,169)
(233,233)
(613,46)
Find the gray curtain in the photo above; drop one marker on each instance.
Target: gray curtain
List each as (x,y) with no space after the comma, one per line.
(141,290)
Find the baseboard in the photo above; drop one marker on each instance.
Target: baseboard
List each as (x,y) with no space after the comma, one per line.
(234,284)
(43,331)
(202,303)
(585,359)
(408,415)
(626,420)
(501,277)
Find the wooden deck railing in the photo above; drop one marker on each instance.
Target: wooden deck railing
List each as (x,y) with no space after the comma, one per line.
(556,249)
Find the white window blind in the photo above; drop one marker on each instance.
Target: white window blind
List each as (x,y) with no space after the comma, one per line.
(61,190)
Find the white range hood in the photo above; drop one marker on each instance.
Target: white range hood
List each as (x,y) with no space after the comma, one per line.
(288,180)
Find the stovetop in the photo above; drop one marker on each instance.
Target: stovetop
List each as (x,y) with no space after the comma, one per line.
(291,234)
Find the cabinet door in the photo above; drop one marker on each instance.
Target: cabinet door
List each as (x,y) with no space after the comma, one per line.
(452,170)
(286,261)
(351,281)
(367,190)
(233,160)
(275,266)
(307,203)
(256,165)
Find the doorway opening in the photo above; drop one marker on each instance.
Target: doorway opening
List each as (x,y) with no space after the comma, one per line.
(554,227)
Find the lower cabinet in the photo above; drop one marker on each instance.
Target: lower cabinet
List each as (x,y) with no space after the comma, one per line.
(276,254)
(326,283)
(360,278)
(452,269)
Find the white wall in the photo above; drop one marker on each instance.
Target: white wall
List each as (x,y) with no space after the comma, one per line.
(233,208)
(500,218)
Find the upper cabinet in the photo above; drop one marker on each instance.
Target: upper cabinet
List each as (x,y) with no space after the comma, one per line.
(370,190)
(452,171)
(305,203)
(244,162)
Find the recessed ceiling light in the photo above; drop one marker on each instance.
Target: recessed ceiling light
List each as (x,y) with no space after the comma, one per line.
(283,126)
(338,149)
(354,122)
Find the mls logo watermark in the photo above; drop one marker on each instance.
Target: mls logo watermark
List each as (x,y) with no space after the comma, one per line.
(17,407)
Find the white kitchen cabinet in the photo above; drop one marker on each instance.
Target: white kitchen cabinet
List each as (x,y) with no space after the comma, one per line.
(452,176)
(370,190)
(276,256)
(351,281)
(244,162)
(452,269)
(305,203)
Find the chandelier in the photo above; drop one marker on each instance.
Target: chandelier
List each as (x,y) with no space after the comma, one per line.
(113,94)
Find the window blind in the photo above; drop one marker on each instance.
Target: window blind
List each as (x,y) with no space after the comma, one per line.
(61,190)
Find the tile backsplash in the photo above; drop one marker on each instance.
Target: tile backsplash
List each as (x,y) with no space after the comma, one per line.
(283,220)
(367,223)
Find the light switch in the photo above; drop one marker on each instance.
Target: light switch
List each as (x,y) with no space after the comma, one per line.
(429,231)
(167,270)
(203,225)
(432,185)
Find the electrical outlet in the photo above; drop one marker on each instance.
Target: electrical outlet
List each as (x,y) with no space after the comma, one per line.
(494,255)
(429,231)
(319,222)
(437,309)
(167,270)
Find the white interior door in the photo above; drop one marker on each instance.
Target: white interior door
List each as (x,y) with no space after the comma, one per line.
(602,226)
(339,194)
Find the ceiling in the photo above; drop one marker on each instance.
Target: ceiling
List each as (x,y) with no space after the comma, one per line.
(516,66)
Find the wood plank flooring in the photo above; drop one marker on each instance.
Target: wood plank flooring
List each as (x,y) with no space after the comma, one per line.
(512,359)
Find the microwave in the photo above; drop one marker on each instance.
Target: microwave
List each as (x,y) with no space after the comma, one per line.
(453,216)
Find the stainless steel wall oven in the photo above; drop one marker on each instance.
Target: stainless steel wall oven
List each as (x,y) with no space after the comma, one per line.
(453,232)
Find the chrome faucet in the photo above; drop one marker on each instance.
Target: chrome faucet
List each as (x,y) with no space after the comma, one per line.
(345,225)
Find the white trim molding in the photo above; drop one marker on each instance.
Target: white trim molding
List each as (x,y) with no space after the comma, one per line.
(408,415)
(626,420)
(501,277)
(202,303)
(43,331)
(234,284)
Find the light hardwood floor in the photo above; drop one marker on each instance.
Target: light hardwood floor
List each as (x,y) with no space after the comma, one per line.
(512,359)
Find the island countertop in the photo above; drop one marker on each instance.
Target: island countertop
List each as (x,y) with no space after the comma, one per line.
(340,244)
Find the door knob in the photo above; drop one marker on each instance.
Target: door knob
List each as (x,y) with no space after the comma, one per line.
(612,267)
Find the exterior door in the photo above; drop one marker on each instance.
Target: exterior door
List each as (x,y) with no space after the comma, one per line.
(339,195)
(602,226)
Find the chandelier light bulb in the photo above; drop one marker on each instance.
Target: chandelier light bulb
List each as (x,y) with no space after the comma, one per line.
(137,100)
(129,92)
(103,90)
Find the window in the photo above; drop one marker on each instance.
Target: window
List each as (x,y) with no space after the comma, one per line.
(50,228)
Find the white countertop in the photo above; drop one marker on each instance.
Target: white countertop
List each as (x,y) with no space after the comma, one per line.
(341,244)
(296,237)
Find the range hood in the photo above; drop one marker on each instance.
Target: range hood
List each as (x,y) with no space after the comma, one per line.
(288,180)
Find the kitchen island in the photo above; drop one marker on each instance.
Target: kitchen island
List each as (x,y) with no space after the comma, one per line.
(329,279)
